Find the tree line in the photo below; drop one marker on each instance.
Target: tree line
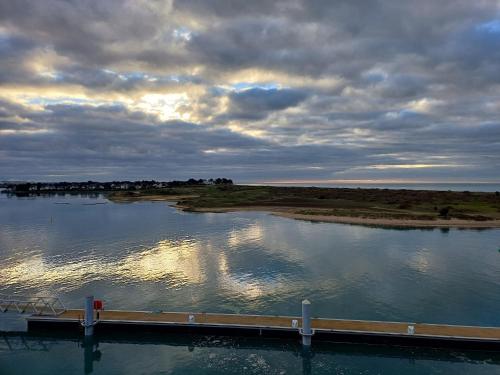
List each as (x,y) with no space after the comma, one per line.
(110,185)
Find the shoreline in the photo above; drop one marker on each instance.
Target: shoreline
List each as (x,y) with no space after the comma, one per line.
(287,212)
(382,215)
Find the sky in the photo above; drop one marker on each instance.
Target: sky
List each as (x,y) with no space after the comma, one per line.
(257,91)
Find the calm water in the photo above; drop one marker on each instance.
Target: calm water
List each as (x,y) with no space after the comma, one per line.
(149,256)
(216,355)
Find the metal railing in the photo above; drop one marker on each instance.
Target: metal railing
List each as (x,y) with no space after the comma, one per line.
(39,305)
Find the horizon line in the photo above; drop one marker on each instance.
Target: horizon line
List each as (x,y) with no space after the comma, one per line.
(375,181)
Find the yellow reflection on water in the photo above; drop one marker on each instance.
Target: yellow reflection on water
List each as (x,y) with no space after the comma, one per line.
(38,269)
(167,259)
(251,233)
(176,262)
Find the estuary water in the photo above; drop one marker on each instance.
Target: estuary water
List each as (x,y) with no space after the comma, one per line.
(150,256)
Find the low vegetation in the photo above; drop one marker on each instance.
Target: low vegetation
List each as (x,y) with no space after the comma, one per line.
(367,203)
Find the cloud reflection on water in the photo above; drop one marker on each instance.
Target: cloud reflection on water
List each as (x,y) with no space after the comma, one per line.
(146,256)
(174,263)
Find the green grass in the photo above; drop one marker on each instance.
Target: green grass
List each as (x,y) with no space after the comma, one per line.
(377,203)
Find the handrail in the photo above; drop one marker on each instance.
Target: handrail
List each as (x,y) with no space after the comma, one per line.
(39,305)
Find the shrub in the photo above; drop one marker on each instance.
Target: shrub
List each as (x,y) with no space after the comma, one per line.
(404,206)
(444,212)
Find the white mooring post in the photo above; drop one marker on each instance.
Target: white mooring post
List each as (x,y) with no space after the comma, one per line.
(88,322)
(306,331)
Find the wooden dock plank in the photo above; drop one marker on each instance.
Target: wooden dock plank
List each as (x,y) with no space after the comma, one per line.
(201,318)
(458,331)
(360,325)
(285,322)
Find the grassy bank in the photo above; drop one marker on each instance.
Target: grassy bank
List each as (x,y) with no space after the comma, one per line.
(434,207)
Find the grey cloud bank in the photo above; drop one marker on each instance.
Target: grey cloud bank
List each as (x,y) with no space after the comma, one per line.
(284,90)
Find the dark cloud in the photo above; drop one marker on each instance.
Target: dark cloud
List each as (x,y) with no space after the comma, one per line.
(256,103)
(82,138)
(254,89)
(13,51)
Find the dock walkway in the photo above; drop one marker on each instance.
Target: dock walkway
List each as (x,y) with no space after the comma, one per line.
(338,330)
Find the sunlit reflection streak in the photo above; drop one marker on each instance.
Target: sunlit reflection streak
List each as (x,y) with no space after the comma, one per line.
(249,288)
(164,261)
(251,233)
(245,285)
(37,272)
(177,264)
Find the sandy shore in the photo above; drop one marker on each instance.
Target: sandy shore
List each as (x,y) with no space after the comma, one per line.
(289,212)
(451,223)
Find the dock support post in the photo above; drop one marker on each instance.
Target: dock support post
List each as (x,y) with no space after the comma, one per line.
(88,360)
(306,361)
(306,330)
(91,353)
(88,322)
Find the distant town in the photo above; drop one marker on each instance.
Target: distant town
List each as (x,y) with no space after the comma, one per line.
(48,187)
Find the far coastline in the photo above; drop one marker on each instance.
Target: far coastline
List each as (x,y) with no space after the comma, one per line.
(359,206)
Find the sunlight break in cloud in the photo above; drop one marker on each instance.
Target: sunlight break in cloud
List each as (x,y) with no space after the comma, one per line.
(274,91)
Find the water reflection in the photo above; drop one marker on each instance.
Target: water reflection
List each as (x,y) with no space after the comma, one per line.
(91,354)
(146,256)
(42,273)
(249,234)
(155,353)
(421,261)
(180,262)
(174,263)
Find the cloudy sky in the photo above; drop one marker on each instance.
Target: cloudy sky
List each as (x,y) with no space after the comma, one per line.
(251,90)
